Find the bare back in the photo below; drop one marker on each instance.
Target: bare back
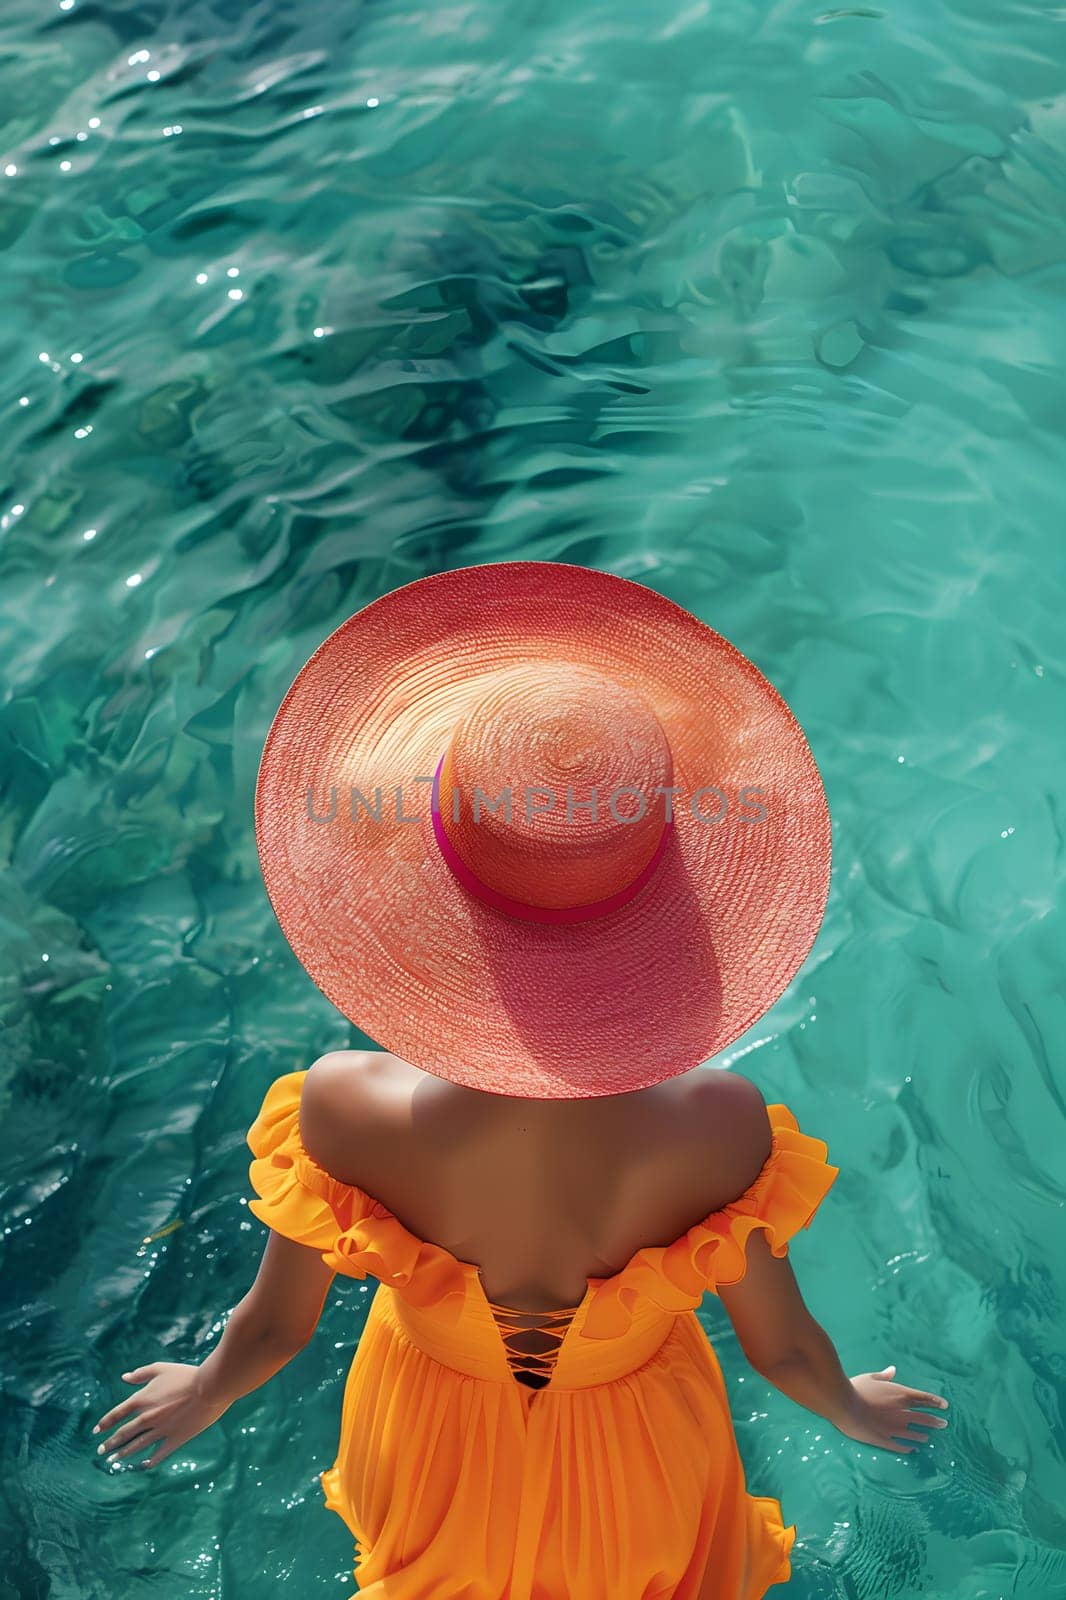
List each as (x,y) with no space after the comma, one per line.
(539,1195)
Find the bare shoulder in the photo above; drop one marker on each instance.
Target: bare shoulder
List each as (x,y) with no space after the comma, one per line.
(335,1075)
(340,1105)
(729,1113)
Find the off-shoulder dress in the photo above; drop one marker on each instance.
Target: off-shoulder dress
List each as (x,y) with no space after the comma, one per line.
(606,1470)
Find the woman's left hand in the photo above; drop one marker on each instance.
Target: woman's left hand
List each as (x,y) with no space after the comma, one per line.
(171,1407)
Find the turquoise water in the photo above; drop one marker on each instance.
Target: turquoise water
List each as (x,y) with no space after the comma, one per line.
(760,306)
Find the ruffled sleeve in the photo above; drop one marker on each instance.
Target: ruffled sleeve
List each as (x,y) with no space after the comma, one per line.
(354,1233)
(795,1179)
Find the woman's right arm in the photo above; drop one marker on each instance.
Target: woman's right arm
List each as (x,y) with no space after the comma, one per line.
(792,1351)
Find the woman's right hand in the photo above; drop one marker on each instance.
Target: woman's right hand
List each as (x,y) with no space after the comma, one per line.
(884,1411)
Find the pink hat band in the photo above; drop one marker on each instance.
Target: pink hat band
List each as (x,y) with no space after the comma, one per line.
(584,836)
(522,908)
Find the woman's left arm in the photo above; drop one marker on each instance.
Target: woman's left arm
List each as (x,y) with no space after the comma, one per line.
(265,1330)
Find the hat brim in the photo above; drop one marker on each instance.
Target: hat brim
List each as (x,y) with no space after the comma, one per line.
(465,991)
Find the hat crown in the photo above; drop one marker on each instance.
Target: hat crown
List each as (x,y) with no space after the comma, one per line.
(550,787)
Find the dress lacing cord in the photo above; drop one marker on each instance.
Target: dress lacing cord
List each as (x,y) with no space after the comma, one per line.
(532,1368)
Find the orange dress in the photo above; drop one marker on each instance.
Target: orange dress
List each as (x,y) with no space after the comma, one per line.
(618,1478)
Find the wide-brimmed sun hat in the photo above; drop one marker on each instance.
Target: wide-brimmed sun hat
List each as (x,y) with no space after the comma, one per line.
(540,831)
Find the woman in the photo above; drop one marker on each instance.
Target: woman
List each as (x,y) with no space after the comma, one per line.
(553,843)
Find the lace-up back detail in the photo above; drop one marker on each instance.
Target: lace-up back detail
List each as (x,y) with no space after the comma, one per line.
(532,1366)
